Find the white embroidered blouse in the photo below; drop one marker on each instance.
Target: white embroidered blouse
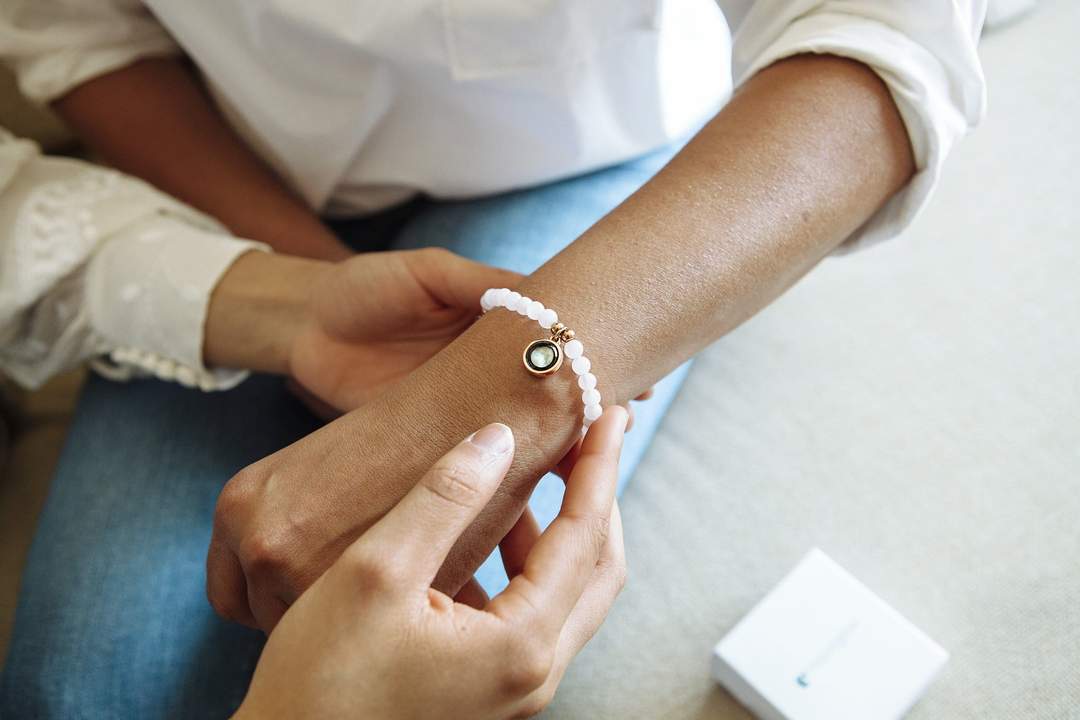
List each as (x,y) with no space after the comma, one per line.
(359,105)
(94,264)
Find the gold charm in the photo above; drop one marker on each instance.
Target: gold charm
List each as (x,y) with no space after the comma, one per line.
(544,357)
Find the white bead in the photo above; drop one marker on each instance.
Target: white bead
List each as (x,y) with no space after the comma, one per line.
(581,365)
(547,318)
(591,396)
(522,305)
(487,300)
(586,381)
(500,297)
(511,300)
(574,349)
(535,308)
(592,412)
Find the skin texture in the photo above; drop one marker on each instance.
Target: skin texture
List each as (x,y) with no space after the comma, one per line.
(153,119)
(372,639)
(804,153)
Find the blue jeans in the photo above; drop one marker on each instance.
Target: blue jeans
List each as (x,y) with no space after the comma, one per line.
(113,620)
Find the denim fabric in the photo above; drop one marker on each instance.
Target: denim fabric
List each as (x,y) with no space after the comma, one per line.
(112,620)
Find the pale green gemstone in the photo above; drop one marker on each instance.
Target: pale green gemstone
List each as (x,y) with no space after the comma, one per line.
(542,357)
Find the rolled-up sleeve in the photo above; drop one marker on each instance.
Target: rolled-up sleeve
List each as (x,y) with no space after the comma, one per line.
(924,51)
(54,45)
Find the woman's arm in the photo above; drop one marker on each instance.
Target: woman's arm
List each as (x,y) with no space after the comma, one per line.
(154,120)
(804,154)
(801,157)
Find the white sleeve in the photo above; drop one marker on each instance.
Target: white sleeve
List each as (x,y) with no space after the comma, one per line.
(95,264)
(924,51)
(54,45)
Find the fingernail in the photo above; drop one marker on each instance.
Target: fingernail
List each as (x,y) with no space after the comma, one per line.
(493,439)
(619,409)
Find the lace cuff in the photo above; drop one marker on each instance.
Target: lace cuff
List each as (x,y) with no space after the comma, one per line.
(147,293)
(94,263)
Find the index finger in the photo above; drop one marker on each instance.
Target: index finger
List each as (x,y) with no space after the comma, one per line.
(419,531)
(559,566)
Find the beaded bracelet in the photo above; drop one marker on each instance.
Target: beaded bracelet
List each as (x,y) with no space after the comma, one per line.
(544,357)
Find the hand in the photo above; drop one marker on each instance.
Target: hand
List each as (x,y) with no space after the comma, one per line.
(374,318)
(371,638)
(344,331)
(282,521)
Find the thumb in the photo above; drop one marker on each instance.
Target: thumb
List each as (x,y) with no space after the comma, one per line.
(457,281)
(420,531)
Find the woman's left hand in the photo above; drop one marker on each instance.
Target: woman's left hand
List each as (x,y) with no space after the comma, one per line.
(371,638)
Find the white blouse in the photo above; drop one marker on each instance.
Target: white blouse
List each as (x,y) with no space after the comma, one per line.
(94,264)
(359,105)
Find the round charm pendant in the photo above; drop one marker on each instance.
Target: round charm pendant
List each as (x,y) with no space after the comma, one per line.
(542,357)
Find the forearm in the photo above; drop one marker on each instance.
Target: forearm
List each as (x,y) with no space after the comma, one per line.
(153,120)
(802,156)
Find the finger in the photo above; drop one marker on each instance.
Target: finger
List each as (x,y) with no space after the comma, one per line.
(226,587)
(589,612)
(472,594)
(565,466)
(266,608)
(560,564)
(457,281)
(599,595)
(418,533)
(517,544)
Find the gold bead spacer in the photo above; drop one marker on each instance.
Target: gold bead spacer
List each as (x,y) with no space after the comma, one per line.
(561,333)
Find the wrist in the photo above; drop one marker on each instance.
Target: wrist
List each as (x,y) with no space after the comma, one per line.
(257,309)
(485,366)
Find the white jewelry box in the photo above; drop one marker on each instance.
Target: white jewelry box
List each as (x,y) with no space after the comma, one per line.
(822,646)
